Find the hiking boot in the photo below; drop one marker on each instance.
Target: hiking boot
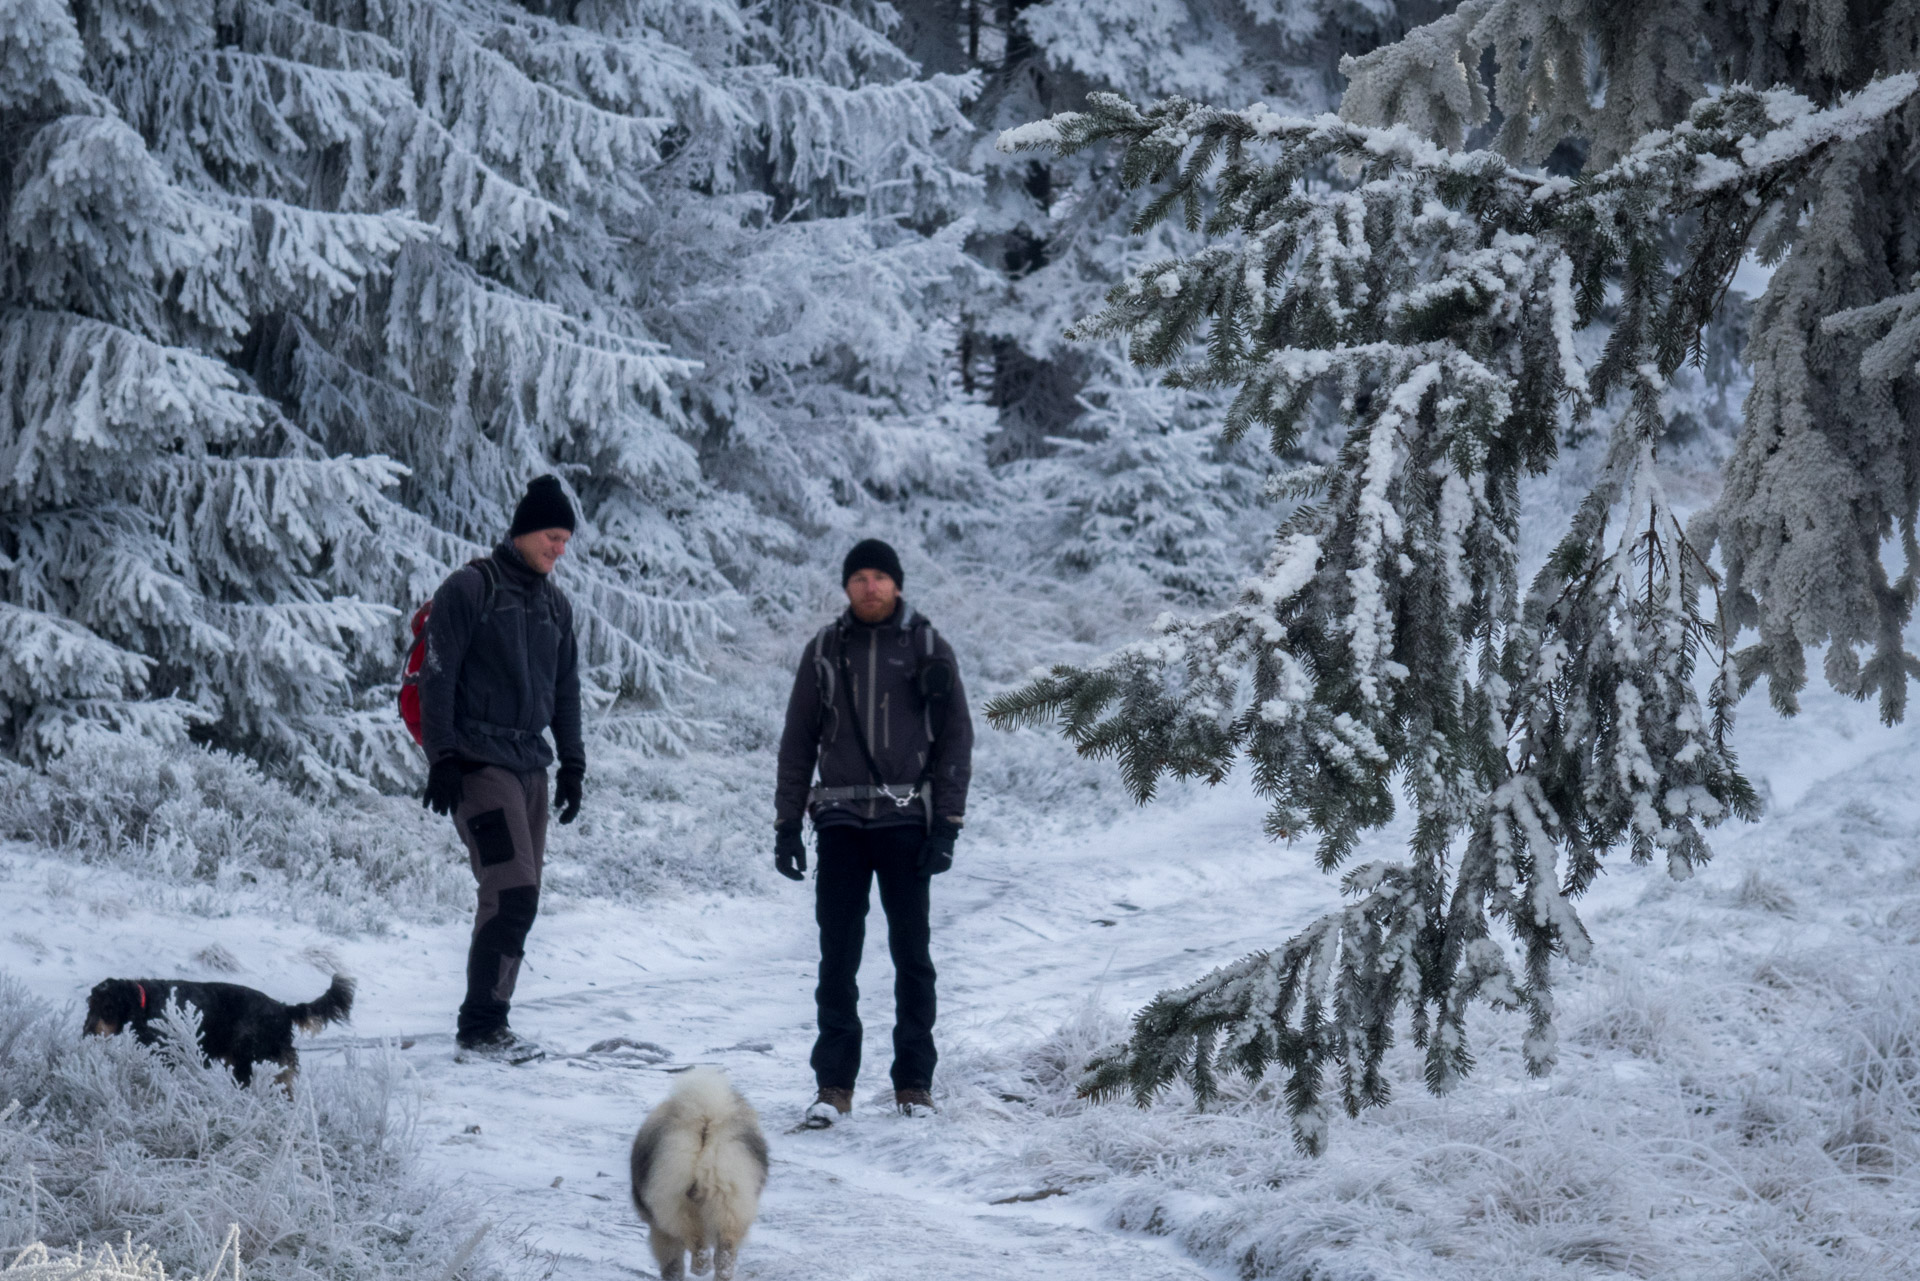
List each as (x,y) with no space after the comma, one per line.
(828,1106)
(917,1103)
(502,1045)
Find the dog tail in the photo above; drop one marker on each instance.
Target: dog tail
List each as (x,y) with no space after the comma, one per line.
(334,1005)
(730,1163)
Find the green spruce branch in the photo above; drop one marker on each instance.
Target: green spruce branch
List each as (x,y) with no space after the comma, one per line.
(1430,300)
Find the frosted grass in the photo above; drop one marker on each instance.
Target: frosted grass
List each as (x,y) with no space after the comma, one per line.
(1738,1095)
(1762,1126)
(104,1137)
(124,1262)
(217,829)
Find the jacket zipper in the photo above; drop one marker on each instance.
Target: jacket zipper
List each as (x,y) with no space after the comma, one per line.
(873,701)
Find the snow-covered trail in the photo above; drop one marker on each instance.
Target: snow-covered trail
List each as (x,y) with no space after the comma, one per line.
(1023,938)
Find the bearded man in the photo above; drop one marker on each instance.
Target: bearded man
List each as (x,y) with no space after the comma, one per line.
(878,709)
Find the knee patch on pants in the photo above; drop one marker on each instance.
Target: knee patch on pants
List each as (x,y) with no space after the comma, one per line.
(507,931)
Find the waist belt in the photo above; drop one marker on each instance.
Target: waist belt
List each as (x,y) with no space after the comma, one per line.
(496,731)
(901,794)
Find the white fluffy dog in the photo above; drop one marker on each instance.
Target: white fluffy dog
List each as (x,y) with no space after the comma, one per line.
(699,1163)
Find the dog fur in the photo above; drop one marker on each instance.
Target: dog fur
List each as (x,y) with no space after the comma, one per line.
(238,1026)
(699,1163)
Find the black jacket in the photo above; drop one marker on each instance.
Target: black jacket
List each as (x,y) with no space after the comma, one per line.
(909,740)
(494,678)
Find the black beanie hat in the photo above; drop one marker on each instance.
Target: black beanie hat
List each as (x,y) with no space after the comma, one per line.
(871,553)
(543,506)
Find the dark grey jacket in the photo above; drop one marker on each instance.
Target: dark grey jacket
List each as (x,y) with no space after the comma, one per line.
(493,679)
(909,740)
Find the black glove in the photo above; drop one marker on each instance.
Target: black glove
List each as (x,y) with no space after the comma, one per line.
(566,792)
(936,852)
(445,783)
(789,852)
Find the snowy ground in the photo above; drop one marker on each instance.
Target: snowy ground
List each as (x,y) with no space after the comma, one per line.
(1023,938)
(1029,940)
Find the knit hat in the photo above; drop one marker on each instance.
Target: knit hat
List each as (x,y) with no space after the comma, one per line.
(543,506)
(871,553)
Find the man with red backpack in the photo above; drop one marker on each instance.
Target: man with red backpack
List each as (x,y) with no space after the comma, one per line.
(500,667)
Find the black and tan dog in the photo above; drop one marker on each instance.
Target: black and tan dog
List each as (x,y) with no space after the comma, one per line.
(238,1026)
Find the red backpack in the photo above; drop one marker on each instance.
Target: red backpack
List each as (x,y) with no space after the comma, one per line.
(417,651)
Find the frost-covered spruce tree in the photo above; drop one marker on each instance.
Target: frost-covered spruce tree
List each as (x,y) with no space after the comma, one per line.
(814,283)
(1825,470)
(389,262)
(1432,299)
(174,550)
(696,269)
(1132,487)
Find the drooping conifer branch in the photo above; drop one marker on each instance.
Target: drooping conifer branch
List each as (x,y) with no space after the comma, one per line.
(1430,300)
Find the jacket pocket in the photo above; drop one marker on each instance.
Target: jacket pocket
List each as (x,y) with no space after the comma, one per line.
(491,837)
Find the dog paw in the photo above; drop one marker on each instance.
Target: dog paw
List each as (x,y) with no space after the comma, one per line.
(702,1261)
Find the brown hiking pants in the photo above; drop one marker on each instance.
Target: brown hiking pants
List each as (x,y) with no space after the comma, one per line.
(502,819)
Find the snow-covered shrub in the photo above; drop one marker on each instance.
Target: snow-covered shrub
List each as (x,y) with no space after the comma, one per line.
(1054,1065)
(1878,1079)
(199,817)
(1758,890)
(111,1137)
(1624,1016)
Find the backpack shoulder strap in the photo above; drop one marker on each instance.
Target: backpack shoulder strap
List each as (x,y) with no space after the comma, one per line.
(489,575)
(827,644)
(825,679)
(933,678)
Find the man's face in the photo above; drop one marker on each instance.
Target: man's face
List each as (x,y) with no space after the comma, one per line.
(872,595)
(543,548)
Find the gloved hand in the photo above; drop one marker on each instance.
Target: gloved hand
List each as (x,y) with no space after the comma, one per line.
(936,852)
(789,852)
(446,781)
(566,792)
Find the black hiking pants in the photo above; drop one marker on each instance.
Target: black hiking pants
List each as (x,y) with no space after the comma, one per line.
(851,859)
(502,819)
